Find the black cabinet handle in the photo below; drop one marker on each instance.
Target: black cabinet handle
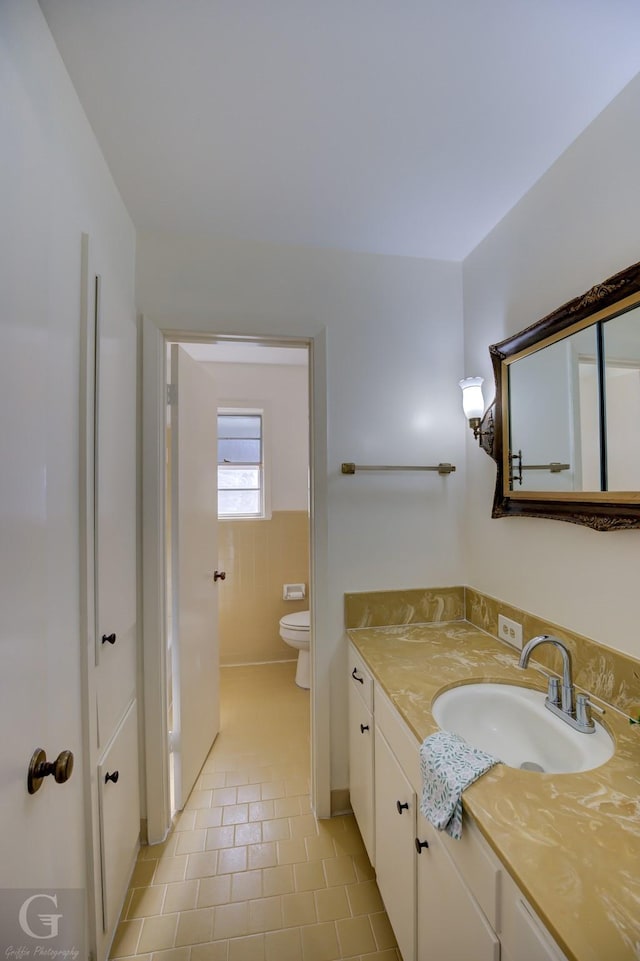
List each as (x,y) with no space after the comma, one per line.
(420,845)
(363,728)
(108,638)
(112,777)
(402,807)
(354,675)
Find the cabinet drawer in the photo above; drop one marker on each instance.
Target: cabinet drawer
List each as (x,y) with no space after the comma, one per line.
(400,739)
(119,803)
(359,677)
(478,866)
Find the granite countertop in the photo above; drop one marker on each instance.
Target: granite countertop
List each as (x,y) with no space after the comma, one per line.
(570,841)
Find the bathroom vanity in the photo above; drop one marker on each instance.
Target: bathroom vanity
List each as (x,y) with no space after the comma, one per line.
(547,865)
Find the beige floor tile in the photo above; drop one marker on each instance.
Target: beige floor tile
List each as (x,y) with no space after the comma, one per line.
(276,830)
(283,945)
(320,942)
(277,880)
(199,799)
(265,914)
(233,859)
(143,873)
(364,870)
(261,810)
(151,852)
(222,837)
(186,821)
(195,927)
(171,954)
(231,921)
(319,847)
(390,955)
(246,885)
(303,826)
(126,939)
(224,795)
(286,807)
(208,818)
(272,789)
(296,785)
(355,936)
(215,951)
(192,842)
(364,898)
(382,931)
(309,876)
(212,891)
(248,792)
(331,904)
(250,833)
(171,869)
(158,933)
(145,902)
(247,949)
(292,852)
(339,871)
(236,778)
(202,865)
(298,909)
(262,855)
(210,781)
(235,814)
(180,896)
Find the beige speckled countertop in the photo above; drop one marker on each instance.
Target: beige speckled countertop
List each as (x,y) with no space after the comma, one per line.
(570,841)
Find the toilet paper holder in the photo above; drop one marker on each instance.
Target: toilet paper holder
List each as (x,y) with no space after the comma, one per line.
(293,592)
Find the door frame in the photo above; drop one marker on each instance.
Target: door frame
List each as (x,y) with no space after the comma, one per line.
(153,682)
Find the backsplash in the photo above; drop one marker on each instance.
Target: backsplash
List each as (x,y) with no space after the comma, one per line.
(610,675)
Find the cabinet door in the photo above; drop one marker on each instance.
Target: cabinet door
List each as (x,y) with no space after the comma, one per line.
(361,768)
(523,935)
(118,791)
(395,819)
(451,925)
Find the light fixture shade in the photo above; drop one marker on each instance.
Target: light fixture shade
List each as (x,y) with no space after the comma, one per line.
(472,399)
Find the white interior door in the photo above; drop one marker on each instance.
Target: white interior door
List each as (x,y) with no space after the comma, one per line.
(194,555)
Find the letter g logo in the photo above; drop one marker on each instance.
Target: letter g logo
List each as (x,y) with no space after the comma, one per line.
(47,921)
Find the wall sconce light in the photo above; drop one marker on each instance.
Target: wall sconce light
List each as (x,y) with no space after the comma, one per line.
(480,421)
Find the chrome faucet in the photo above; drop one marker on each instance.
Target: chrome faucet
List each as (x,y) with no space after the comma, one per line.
(563,702)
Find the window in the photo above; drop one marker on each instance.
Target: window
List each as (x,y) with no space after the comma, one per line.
(240,464)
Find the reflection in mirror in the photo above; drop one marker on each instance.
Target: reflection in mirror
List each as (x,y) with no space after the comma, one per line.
(553,416)
(621,336)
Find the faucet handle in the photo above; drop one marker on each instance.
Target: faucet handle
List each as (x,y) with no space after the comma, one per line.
(583,712)
(553,691)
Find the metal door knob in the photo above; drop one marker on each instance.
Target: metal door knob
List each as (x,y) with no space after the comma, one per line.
(40,768)
(402,806)
(112,777)
(420,845)
(108,638)
(219,575)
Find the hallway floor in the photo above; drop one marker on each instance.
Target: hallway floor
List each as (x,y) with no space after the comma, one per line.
(248,873)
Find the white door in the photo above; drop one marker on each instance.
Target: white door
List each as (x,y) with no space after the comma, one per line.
(194,555)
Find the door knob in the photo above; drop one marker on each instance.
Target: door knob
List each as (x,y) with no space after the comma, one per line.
(108,638)
(219,575)
(40,768)
(402,807)
(420,845)
(112,777)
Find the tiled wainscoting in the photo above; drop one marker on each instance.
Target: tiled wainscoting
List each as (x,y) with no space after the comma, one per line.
(249,874)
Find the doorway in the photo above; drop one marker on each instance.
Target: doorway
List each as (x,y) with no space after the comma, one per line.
(263,528)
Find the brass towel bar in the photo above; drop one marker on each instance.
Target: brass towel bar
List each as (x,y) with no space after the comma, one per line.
(440,468)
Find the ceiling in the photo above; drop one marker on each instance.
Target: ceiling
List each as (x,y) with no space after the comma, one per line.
(404,127)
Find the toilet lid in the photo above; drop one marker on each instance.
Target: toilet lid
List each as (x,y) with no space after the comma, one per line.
(298,621)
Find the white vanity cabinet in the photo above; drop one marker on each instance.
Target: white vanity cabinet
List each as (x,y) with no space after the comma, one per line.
(361,755)
(446,899)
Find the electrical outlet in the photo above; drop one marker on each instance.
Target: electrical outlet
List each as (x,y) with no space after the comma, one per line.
(510,631)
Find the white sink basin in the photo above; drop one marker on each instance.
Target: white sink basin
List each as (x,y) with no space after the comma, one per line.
(512,724)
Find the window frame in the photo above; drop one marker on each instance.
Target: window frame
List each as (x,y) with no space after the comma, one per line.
(252,410)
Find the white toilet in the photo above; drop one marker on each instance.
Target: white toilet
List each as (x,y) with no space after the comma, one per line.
(294,630)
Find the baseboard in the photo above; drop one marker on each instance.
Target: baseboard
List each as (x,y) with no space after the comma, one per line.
(286,660)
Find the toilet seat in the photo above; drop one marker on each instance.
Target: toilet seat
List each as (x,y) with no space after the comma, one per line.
(298,621)
(295,630)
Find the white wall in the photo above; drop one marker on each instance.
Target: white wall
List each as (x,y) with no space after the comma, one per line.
(283,392)
(394,355)
(54,185)
(577,226)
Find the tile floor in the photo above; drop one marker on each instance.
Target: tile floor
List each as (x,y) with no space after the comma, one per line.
(248,873)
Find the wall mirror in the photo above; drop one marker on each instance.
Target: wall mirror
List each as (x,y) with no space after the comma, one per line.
(567,411)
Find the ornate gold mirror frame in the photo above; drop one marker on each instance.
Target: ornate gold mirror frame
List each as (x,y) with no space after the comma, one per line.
(601,509)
